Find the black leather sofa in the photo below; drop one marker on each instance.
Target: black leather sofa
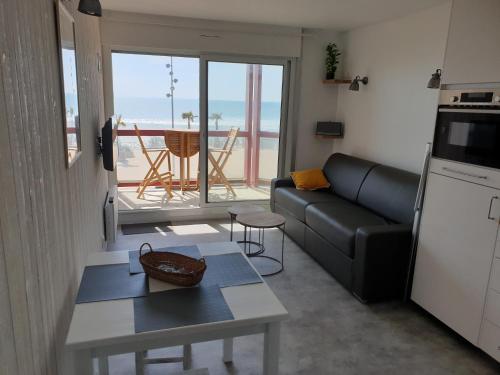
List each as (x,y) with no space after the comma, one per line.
(359,230)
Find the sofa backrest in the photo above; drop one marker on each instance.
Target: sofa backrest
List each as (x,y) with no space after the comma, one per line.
(390,192)
(346,174)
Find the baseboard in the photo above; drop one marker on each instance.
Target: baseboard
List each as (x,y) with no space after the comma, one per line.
(187,214)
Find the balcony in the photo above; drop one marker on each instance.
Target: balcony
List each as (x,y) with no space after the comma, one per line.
(249,170)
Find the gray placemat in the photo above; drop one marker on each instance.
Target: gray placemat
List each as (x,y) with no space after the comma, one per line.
(136,267)
(128,229)
(229,270)
(109,282)
(179,308)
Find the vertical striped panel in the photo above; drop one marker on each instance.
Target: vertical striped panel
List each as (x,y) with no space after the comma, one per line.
(50,216)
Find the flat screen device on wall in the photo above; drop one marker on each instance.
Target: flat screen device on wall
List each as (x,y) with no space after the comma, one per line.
(331,129)
(110,144)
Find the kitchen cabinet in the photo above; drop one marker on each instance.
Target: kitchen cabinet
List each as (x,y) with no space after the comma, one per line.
(455,252)
(473,47)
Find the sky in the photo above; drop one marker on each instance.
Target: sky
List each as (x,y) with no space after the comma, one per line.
(147,76)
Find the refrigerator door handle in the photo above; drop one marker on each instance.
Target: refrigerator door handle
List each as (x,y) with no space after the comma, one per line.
(419,201)
(491,205)
(423,179)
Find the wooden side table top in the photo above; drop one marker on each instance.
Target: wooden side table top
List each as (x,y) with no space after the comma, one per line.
(261,220)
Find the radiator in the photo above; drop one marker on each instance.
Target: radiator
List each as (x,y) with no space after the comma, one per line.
(111,215)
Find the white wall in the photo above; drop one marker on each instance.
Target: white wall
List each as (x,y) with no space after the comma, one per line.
(391,119)
(317,101)
(152,33)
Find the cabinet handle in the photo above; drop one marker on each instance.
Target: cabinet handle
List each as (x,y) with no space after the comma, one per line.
(489,211)
(465,173)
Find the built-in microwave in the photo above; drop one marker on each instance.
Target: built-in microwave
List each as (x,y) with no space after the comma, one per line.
(468,127)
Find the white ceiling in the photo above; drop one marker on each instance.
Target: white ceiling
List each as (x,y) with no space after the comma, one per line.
(332,14)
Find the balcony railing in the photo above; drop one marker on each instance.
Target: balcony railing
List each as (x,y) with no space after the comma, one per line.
(253,161)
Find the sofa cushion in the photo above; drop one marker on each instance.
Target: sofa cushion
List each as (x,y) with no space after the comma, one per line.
(338,220)
(295,201)
(390,192)
(346,174)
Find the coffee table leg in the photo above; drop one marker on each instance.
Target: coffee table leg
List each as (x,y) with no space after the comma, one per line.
(232,222)
(249,240)
(227,347)
(271,349)
(283,247)
(103,365)
(245,240)
(139,363)
(84,364)
(187,353)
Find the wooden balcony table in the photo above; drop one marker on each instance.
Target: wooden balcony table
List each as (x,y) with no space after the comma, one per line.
(184,143)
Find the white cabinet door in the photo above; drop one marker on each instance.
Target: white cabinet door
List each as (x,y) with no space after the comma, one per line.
(472,53)
(455,252)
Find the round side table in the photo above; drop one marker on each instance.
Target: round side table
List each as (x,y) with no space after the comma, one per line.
(262,221)
(240,209)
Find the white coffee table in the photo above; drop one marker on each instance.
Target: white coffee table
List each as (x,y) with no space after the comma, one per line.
(101,329)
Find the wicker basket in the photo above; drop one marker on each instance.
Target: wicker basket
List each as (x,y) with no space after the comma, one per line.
(172,268)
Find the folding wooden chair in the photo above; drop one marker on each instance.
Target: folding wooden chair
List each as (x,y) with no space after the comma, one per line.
(218,158)
(154,176)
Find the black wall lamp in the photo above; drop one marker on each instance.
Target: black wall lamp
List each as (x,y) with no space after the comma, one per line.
(355,83)
(90,7)
(435,81)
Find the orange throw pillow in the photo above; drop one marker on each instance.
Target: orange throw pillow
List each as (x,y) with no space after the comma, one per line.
(310,179)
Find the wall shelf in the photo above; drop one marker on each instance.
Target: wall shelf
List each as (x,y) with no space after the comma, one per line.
(336,81)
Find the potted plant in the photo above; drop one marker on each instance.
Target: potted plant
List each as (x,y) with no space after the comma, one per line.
(332,60)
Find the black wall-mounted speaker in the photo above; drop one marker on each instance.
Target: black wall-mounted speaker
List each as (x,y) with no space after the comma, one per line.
(332,129)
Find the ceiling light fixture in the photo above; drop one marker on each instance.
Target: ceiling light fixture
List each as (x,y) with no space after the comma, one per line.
(435,81)
(90,7)
(355,83)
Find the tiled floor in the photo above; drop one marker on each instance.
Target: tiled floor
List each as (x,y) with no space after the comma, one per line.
(329,331)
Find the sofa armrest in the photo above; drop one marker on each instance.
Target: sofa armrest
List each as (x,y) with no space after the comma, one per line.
(282,182)
(277,183)
(381,261)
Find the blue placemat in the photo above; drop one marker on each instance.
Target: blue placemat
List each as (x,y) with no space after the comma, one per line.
(136,267)
(229,270)
(109,282)
(179,308)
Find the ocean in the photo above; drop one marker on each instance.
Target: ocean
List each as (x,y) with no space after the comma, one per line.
(155,113)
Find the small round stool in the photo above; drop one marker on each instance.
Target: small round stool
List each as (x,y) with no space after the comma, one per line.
(239,209)
(262,221)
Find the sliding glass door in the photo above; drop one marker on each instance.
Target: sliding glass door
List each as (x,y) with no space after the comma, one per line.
(220,121)
(156,96)
(243,114)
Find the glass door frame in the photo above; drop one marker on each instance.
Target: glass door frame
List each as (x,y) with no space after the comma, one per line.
(203,160)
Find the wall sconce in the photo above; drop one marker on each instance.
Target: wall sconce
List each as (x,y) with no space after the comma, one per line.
(435,81)
(355,83)
(90,7)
